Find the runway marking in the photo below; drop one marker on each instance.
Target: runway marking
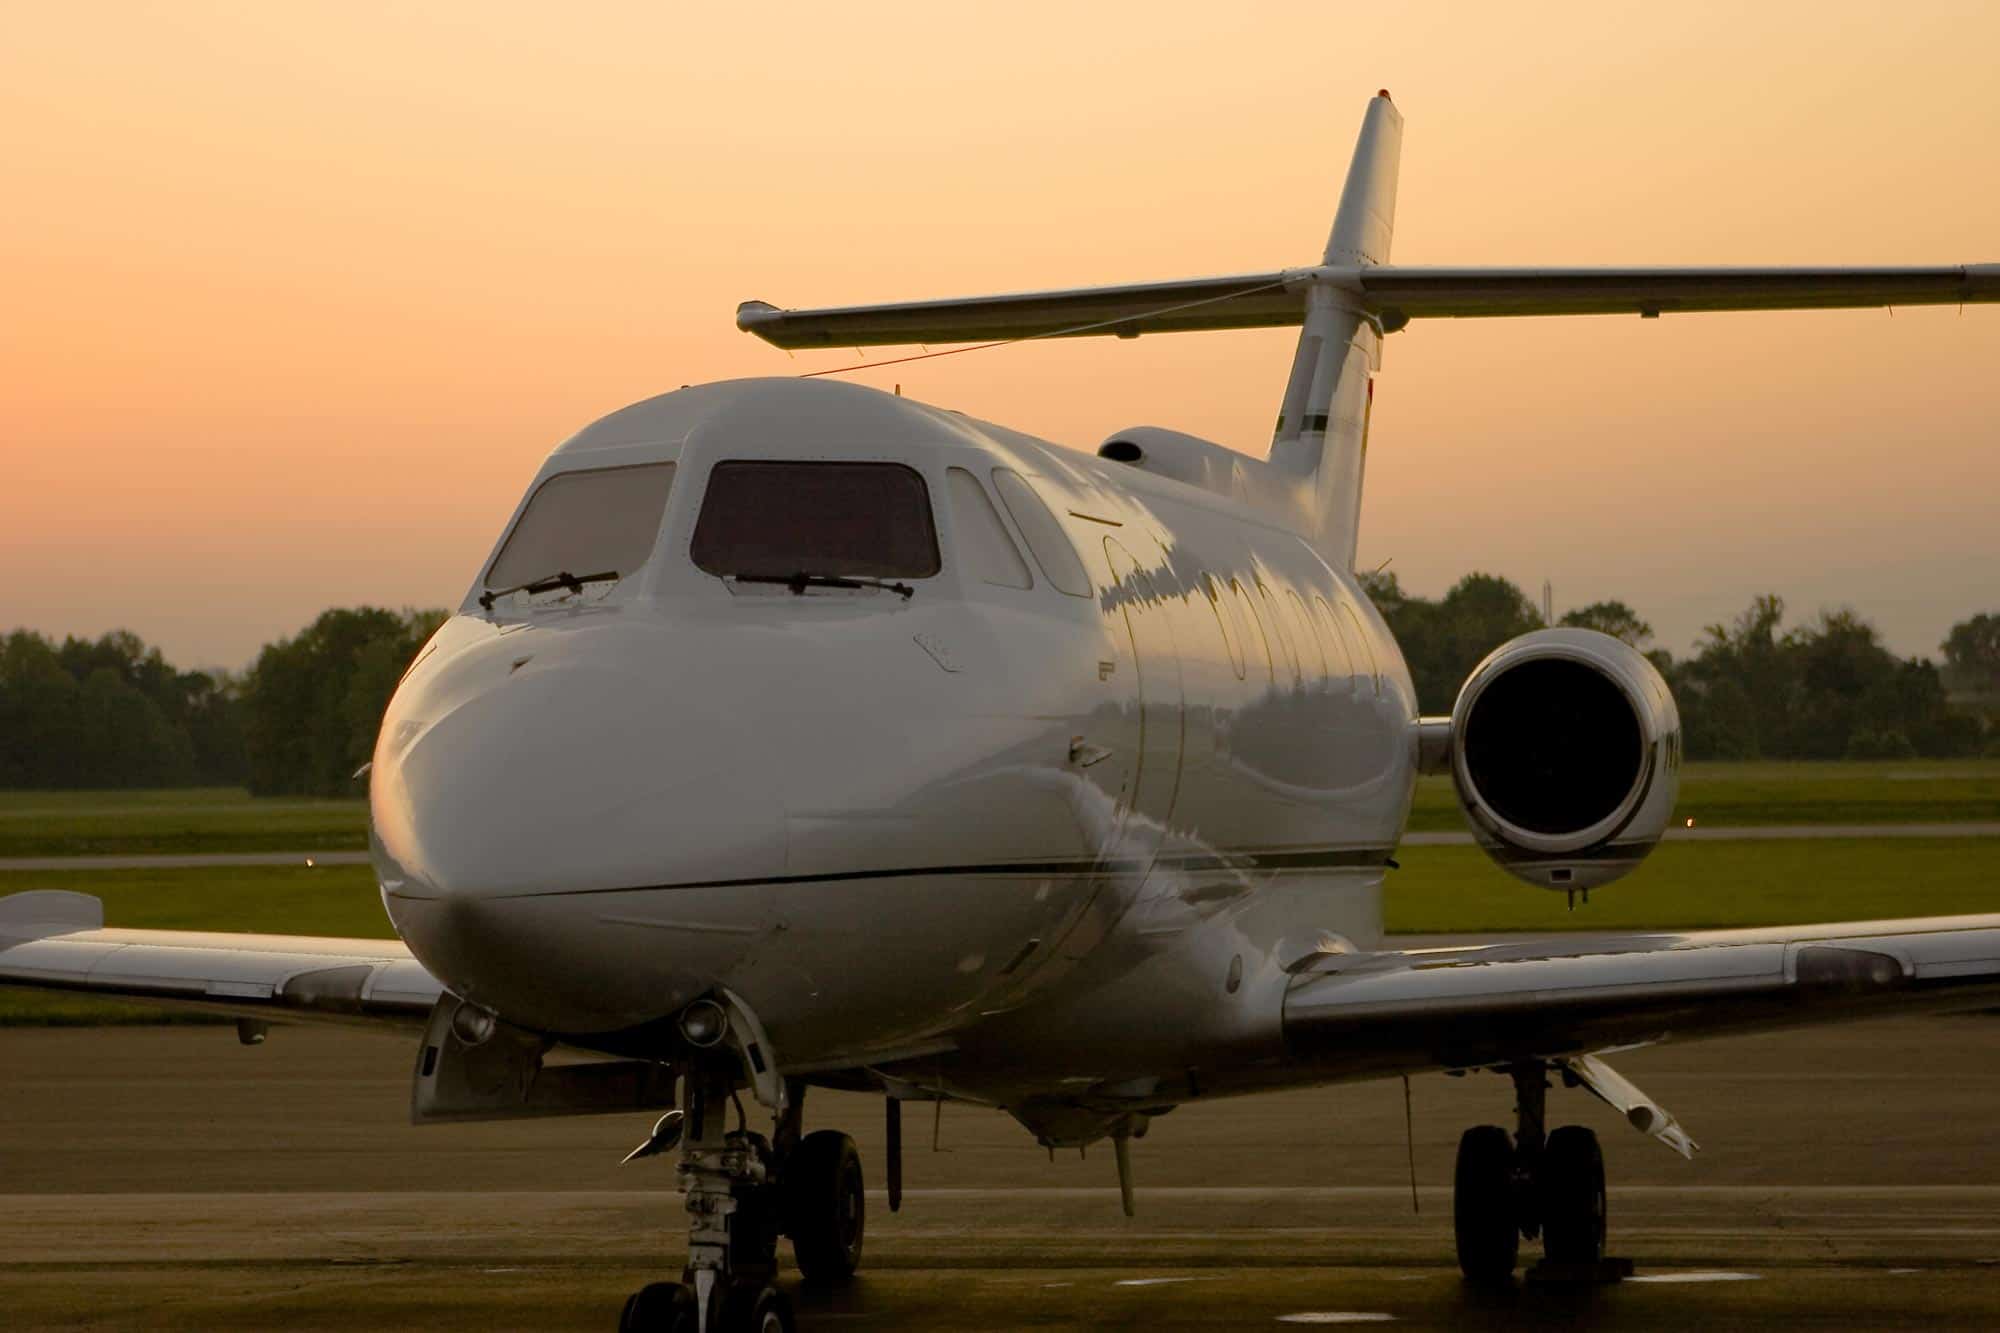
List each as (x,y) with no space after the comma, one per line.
(1337,1317)
(1697,1277)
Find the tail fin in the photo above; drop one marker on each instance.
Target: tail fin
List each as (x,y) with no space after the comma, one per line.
(1323,424)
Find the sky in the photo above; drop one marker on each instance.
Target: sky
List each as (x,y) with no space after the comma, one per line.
(295,298)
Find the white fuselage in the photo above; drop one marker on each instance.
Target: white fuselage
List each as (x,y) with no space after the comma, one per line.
(1068,839)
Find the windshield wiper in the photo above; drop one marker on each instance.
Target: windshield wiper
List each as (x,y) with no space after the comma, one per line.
(574,582)
(800,581)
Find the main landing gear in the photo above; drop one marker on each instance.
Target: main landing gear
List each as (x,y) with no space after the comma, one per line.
(743,1192)
(1532,1183)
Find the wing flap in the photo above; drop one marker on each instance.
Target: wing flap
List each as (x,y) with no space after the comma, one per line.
(1553,998)
(43,945)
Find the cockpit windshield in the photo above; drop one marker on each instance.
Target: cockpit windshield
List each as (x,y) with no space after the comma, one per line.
(783,520)
(583,525)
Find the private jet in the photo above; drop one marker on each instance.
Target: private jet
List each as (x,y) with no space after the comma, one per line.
(796,734)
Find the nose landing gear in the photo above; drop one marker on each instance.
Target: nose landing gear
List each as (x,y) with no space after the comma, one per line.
(744,1191)
(1530,1184)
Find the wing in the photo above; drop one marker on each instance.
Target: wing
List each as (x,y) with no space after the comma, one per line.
(57,941)
(1394,294)
(1557,999)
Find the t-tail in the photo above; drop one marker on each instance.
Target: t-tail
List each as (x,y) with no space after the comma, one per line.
(1322,433)
(1345,305)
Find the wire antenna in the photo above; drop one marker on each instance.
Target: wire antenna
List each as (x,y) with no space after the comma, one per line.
(1069,332)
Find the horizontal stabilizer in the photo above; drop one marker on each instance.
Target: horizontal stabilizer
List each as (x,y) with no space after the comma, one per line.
(1246,301)
(1393,293)
(1424,293)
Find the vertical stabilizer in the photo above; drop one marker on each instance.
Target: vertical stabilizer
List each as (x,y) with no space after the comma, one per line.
(1322,432)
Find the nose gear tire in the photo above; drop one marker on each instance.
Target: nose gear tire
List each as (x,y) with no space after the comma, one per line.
(659,1307)
(758,1309)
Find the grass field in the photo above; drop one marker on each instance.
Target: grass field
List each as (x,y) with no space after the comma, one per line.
(193,819)
(1438,889)
(1899,791)
(218,819)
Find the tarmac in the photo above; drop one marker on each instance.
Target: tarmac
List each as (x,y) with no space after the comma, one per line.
(170,1178)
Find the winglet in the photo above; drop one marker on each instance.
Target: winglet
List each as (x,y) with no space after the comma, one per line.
(52,907)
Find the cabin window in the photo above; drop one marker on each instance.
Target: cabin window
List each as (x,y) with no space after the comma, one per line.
(599,521)
(774,519)
(1046,539)
(984,548)
(1230,640)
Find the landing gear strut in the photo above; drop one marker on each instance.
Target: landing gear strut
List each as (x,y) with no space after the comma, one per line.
(1530,1184)
(744,1191)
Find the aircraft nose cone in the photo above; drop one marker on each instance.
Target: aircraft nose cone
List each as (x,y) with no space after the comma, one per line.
(574,777)
(510,810)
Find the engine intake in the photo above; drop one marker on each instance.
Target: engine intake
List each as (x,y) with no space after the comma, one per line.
(1565,747)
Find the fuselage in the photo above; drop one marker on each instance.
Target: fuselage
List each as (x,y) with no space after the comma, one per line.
(1064,814)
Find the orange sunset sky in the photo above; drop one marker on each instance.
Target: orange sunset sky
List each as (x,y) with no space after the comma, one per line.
(295,296)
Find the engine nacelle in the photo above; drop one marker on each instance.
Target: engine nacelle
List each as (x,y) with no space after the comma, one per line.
(1565,746)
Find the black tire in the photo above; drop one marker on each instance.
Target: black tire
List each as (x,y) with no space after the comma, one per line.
(1571,1180)
(825,1211)
(758,1309)
(659,1307)
(1483,1214)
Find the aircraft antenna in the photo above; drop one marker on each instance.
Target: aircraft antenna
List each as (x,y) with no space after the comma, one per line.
(1410,1146)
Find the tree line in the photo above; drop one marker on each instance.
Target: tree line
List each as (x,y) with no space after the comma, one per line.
(112,712)
(1825,688)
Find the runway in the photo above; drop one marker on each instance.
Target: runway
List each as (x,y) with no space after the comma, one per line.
(166,1177)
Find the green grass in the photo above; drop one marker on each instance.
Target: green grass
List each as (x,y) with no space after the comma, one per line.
(220,819)
(197,819)
(1901,791)
(275,900)
(1706,885)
